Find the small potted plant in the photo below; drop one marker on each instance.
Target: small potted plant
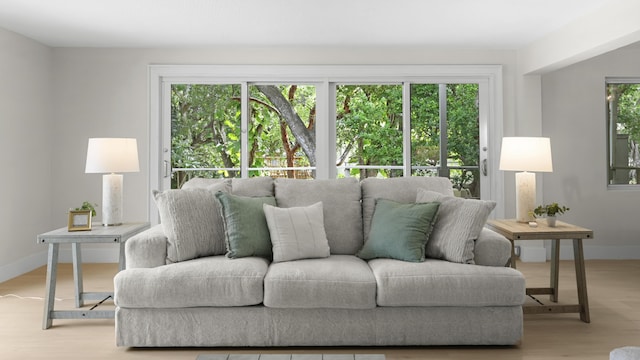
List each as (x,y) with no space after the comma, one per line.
(88,206)
(550,210)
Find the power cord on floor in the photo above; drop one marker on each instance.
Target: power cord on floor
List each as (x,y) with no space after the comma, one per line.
(28,297)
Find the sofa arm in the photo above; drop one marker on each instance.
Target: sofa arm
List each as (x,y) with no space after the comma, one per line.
(492,249)
(147,249)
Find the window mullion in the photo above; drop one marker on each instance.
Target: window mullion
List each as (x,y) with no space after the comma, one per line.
(444,166)
(244,130)
(406,128)
(326,130)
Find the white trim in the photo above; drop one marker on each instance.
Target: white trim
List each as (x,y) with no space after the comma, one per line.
(331,130)
(406,124)
(155,131)
(494,138)
(324,122)
(244,130)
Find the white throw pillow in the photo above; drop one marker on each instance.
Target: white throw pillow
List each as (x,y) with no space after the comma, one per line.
(297,232)
(457,227)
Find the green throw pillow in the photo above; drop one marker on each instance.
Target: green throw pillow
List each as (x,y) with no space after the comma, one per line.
(399,231)
(246,230)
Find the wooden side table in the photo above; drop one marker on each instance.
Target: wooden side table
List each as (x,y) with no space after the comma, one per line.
(514,230)
(99,234)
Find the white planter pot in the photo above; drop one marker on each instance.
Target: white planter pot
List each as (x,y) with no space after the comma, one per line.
(551,221)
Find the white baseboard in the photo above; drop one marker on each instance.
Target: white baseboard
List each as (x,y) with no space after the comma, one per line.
(22,266)
(39,259)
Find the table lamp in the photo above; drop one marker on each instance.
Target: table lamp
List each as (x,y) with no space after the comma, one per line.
(111,156)
(527,155)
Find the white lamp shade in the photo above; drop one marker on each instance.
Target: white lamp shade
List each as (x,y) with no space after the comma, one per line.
(526,154)
(111,155)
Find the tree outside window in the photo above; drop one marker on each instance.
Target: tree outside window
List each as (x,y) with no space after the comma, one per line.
(281,142)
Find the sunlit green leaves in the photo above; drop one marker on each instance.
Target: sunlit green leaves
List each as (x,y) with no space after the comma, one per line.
(624,116)
(205,128)
(206,124)
(369,126)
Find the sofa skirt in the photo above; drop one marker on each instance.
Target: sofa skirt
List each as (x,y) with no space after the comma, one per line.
(259,326)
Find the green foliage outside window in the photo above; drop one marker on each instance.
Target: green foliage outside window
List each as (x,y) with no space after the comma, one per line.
(624,132)
(206,121)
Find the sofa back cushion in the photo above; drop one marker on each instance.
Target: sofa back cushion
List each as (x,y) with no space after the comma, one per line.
(203,183)
(254,187)
(403,190)
(341,208)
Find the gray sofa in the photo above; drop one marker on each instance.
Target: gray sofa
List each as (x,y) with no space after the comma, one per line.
(179,291)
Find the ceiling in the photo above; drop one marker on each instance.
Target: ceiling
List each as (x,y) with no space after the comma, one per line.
(495,24)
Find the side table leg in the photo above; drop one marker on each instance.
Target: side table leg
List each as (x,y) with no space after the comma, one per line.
(77,273)
(122,261)
(513,254)
(50,296)
(555,264)
(581,278)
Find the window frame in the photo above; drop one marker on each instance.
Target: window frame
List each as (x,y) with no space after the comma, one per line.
(610,133)
(324,77)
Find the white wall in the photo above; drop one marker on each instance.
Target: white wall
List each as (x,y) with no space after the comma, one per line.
(574,116)
(103,92)
(56,99)
(26,144)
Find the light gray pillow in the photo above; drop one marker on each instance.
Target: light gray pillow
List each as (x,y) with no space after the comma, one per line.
(458,226)
(341,205)
(192,222)
(297,232)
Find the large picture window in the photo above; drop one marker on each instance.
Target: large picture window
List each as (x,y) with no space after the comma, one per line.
(206,136)
(623,120)
(325,122)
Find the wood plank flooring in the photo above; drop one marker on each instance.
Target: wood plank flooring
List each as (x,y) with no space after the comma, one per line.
(614,298)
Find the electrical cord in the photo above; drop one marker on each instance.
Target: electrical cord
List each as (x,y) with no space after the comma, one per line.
(28,297)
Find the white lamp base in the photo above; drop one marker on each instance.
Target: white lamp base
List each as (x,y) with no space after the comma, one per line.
(111,199)
(525,196)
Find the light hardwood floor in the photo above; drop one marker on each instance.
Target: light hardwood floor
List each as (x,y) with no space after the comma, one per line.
(614,297)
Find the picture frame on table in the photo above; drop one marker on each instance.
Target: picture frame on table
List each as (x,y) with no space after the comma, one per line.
(79,220)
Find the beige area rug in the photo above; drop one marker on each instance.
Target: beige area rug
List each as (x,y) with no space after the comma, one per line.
(290,357)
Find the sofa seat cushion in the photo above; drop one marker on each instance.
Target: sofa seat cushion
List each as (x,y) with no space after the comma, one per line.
(209,281)
(442,283)
(339,281)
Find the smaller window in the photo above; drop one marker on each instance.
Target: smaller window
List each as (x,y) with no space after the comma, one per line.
(623,123)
